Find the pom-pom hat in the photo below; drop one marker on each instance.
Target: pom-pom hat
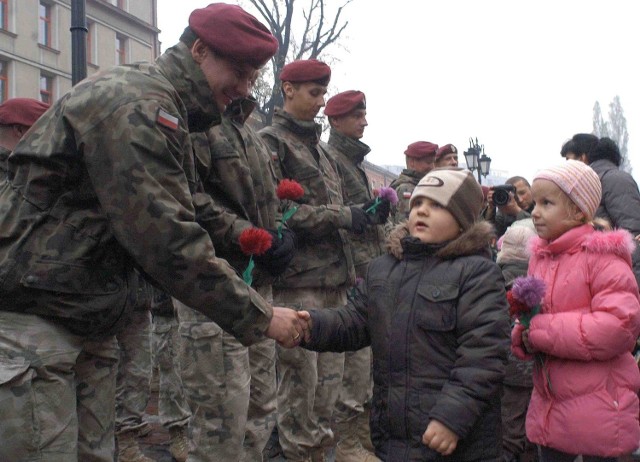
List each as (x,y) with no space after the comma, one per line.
(306,70)
(454,189)
(578,181)
(421,149)
(21,111)
(345,102)
(234,33)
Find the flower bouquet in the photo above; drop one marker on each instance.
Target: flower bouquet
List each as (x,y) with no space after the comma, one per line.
(253,241)
(380,194)
(288,190)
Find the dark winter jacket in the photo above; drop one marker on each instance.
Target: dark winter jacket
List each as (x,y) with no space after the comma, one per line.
(435,319)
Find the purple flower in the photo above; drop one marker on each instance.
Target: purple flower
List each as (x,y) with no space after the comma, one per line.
(528,290)
(389,194)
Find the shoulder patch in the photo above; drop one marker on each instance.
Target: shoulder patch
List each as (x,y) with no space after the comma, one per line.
(406,195)
(166,120)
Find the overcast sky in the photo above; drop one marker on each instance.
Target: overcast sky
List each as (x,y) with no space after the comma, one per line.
(521,76)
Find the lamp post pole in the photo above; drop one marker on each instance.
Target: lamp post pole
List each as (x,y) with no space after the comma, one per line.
(475,161)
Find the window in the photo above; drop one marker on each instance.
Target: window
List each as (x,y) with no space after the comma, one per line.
(121,43)
(91,30)
(46,89)
(44,27)
(4,80)
(4,14)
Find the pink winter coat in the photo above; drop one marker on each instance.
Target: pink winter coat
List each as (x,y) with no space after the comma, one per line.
(585,399)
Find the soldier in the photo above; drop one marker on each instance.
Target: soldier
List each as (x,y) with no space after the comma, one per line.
(322,269)
(447,156)
(101,184)
(347,113)
(420,161)
(17,115)
(233,406)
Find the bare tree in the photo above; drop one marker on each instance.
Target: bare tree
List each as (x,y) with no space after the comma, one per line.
(305,40)
(600,127)
(615,128)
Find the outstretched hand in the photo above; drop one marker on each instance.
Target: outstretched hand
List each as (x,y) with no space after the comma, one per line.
(289,327)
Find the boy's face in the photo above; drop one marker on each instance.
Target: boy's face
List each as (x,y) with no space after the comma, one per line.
(554,213)
(304,100)
(431,222)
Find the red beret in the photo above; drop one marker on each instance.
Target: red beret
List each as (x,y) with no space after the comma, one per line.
(446,149)
(345,102)
(232,32)
(421,149)
(306,70)
(21,111)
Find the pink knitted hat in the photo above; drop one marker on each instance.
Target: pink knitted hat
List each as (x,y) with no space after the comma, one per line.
(578,181)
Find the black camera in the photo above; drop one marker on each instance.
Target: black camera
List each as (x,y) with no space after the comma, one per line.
(501,194)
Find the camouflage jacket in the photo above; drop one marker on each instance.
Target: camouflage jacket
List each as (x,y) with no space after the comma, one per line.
(404,186)
(234,164)
(104,183)
(323,258)
(349,154)
(4,154)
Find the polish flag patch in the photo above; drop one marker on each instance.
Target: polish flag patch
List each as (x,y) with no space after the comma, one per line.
(166,120)
(406,195)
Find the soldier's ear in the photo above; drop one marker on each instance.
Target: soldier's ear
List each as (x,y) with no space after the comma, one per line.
(199,51)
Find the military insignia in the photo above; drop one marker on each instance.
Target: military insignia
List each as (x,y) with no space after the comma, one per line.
(274,156)
(406,195)
(166,120)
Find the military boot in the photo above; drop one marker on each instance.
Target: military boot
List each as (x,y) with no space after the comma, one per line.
(363,431)
(179,447)
(129,450)
(349,448)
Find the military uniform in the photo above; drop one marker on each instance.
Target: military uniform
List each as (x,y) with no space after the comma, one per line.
(318,277)
(357,382)
(103,179)
(404,186)
(4,155)
(233,405)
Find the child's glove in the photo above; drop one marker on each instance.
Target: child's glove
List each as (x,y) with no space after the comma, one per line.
(276,260)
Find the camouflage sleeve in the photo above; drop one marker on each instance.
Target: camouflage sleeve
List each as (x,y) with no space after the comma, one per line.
(142,186)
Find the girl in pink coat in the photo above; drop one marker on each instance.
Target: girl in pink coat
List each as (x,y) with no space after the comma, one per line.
(585,390)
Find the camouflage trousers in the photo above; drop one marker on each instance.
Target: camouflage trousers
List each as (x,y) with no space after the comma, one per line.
(57,392)
(308,382)
(133,385)
(357,386)
(231,390)
(173,409)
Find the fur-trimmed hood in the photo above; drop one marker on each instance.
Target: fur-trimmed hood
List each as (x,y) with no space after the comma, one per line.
(618,242)
(474,241)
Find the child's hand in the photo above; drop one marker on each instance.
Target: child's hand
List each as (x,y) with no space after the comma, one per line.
(439,438)
(525,341)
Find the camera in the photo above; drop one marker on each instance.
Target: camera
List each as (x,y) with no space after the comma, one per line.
(501,194)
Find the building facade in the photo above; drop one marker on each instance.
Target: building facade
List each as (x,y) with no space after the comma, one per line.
(35,42)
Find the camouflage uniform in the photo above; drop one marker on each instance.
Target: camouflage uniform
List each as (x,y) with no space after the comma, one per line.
(103,180)
(233,405)
(4,154)
(404,185)
(318,277)
(357,383)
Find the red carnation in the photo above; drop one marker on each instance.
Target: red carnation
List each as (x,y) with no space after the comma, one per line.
(516,307)
(289,189)
(255,241)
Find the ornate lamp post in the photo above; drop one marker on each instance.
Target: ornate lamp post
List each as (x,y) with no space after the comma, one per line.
(477,162)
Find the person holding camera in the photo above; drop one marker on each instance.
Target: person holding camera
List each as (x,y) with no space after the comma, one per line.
(509,203)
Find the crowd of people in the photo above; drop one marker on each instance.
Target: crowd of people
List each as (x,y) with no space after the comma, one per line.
(145,223)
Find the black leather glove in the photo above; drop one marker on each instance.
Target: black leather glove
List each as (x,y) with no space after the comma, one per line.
(277,258)
(380,215)
(359,220)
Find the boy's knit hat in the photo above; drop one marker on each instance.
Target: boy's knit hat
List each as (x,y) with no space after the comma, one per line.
(578,181)
(456,190)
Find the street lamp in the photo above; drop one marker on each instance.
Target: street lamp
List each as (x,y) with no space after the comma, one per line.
(475,161)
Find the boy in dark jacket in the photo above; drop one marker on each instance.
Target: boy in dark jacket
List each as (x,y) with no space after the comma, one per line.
(432,310)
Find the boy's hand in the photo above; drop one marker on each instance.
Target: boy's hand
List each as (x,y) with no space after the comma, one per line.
(439,438)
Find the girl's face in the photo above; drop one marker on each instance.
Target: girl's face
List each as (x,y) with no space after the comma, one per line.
(431,222)
(554,213)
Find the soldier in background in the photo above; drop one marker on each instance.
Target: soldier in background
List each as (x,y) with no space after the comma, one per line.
(347,113)
(420,161)
(446,156)
(233,405)
(322,270)
(17,115)
(101,184)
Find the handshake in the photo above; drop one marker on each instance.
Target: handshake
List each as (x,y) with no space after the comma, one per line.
(373,212)
(289,327)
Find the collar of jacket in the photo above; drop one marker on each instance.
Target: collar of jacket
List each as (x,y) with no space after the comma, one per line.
(306,130)
(179,68)
(474,241)
(408,172)
(601,166)
(354,149)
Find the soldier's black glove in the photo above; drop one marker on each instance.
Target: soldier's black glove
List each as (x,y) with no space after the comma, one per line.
(380,214)
(277,258)
(359,220)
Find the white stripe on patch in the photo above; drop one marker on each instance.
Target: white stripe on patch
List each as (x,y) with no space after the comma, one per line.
(167,120)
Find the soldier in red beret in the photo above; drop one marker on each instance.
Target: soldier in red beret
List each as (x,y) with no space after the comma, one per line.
(17,115)
(420,158)
(103,185)
(447,156)
(321,271)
